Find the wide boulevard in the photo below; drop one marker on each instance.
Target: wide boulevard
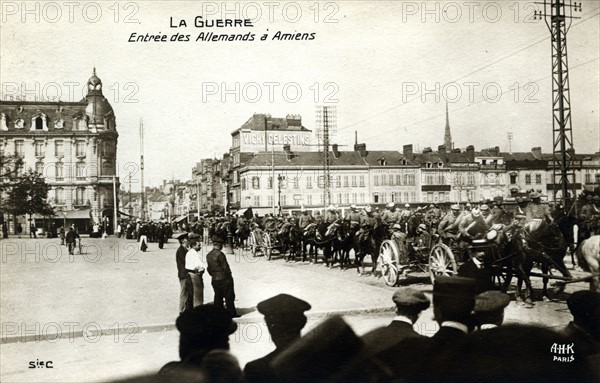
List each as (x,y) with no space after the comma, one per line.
(109,312)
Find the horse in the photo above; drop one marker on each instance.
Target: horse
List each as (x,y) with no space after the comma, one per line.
(290,236)
(544,243)
(241,234)
(368,243)
(588,255)
(343,243)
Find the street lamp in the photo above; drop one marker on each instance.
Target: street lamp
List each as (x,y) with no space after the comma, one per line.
(64,220)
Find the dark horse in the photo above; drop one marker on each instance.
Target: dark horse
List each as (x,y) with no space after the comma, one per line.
(343,242)
(543,242)
(367,243)
(318,235)
(290,236)
(242,232)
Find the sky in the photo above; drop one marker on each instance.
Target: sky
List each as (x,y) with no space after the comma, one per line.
(388,67)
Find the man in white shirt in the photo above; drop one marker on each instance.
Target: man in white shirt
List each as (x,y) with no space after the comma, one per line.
(195,267)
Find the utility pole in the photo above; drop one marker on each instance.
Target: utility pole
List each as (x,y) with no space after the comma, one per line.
(143,205)
(326,123)
(558,23)
(279,179)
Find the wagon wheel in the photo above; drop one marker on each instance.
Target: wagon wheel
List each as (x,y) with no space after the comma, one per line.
(253,243)
(267,245)
(441,262)
(388,258)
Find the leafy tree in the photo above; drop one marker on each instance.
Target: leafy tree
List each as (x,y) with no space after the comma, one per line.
(8,169)
(28,195)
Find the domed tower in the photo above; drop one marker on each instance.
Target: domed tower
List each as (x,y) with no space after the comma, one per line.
(100,113)
(103,137)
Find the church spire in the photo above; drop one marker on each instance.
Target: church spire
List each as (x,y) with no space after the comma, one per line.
(447,135)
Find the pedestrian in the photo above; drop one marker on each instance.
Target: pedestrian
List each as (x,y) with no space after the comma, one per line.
(203,348)
(62,235)
(161,235)
(143,237)
(222,279)
(4,230)
(19,229)
(584,329)
(71,238)
(32,231)
(489,309)
(285,319)
(185,283)
(409,305)
(195,267)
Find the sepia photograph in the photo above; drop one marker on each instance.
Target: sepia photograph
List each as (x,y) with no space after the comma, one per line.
(299,191)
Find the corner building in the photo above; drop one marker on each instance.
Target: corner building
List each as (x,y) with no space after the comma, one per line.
(74,146)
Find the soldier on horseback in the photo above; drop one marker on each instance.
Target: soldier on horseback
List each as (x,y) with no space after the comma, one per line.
(590,215)
(353,216)
(535,210)
(448,227)
(390,215)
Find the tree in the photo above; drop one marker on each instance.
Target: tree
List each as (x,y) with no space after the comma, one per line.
(28,195)
(8,169)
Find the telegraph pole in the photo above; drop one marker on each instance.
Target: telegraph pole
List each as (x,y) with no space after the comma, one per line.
(558,17)
(143,204)
(326,123)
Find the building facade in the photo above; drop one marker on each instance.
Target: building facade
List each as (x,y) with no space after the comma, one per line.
(73,145)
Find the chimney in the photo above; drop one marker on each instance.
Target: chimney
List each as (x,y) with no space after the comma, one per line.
(427,150)
(470,153)
(442,153)
(407,150)
(361,149)
(537,152)
(288,152)
(336,152)
(497,150)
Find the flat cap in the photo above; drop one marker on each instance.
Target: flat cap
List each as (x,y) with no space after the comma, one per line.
(407,296)
(216,240)
(455,207)
(454,287)
(182,236)
(491,301)
(207,320)
(283,304)
(194,236)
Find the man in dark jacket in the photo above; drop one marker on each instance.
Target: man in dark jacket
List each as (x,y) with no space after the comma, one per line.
(185,295)
(409,305)
(222,280)
(284,315)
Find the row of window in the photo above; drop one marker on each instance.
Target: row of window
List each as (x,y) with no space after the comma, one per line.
(40,123)
(59,151)
(59,196)
(337,198)
(294,182)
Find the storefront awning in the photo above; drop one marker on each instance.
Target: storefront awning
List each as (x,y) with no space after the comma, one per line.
(179,219)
